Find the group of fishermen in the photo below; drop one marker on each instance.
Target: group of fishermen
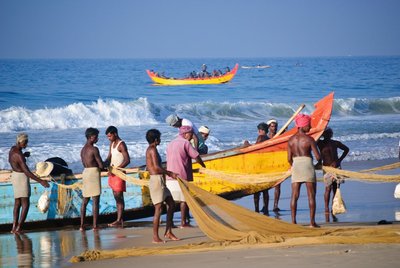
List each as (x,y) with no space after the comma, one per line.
(163,184)
(203,73)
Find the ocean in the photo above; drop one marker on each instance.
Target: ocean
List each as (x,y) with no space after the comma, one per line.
(54,101)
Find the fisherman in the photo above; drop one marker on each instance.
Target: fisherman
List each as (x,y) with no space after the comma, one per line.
(300,146)
(91,178)
(262,136)
(20,182)
(159,192)
(175,121)
(204,132)
(179,160)
(272,129)
(118,156)
(329,157)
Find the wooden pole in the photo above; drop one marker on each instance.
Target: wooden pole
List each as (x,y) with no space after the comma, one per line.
(290,120)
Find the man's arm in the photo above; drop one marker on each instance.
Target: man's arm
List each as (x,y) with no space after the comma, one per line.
(97,157)
(289,153)
(200,161)
(25,169)
(124,150)
(315,150)
(344,154)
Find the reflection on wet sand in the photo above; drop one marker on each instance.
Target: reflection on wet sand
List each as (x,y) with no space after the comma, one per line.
(24,250)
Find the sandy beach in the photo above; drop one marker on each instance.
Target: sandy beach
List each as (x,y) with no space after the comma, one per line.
(367,203)
(282,255)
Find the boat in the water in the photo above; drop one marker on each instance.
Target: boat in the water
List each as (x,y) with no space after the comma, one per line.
(256,67)
(193,81)
(231,173)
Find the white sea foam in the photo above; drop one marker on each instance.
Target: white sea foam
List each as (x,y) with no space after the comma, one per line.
(78,115)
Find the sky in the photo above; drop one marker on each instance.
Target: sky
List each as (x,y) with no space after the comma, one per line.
(198,29)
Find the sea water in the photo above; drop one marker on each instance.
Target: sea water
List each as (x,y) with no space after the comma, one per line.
(54,101)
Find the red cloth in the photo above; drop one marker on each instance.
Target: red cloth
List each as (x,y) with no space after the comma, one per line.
(302,120)
(116,184)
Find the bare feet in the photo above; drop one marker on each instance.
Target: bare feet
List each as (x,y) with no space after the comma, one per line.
(116,224)
(314,225)
(96,228)
(276,209)
(171,236)
(157,240)
(82,228)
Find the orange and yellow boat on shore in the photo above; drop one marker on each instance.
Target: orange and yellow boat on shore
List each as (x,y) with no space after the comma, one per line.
(193,81)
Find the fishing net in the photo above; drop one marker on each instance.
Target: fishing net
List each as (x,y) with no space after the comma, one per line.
(362,176)
(232,226)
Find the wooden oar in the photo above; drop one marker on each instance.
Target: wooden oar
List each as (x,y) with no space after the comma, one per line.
(290,120)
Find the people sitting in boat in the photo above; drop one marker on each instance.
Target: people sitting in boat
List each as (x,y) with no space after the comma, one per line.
(227,69)
(216,73)
(204,73)
(193,75)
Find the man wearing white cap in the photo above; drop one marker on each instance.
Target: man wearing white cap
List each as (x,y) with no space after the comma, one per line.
(204,132)
(20,181)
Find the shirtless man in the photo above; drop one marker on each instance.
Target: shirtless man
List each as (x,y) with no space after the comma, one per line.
(158,190)
(300,146)
(118,156)
(329,157)
(20,181)
(91,179)
(272,129)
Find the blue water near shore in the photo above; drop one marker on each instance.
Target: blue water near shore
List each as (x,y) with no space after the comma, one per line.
(54,101)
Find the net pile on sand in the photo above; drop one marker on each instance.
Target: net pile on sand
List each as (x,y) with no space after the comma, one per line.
(232,226)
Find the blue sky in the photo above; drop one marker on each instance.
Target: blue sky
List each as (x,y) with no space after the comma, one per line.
(198,29)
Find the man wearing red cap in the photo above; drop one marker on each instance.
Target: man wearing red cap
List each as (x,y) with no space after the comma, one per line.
(179,160)
(300,147)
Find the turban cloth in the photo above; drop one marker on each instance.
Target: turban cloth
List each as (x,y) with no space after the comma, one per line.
(302,120)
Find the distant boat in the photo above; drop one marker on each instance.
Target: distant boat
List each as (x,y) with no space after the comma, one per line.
(256,67)
(193,81)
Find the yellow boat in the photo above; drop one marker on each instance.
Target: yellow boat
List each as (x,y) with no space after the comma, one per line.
(246,170)
(193,81)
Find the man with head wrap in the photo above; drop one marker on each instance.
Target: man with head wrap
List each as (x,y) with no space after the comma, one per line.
(300,146)
(20,181)
(179,160)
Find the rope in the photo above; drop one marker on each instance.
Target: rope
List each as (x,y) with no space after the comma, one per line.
(353,175)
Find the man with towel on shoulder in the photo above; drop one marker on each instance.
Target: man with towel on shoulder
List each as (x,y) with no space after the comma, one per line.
(91,178)
(300,146)
(118,156)
(20,181)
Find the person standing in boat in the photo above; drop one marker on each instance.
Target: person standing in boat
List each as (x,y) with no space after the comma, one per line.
(20,180)
(159,192)
(329,157)
(262,136)
(272,129)
(91,178)
(179,160)
(300,147)
(118,156)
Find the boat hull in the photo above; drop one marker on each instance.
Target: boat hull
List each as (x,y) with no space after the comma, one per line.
(194,81)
